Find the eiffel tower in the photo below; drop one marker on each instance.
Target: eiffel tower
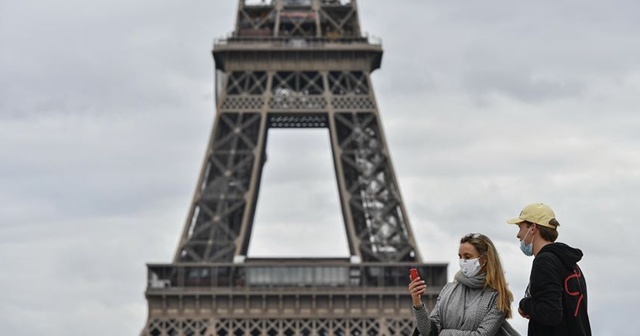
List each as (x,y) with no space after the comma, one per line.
(292,64)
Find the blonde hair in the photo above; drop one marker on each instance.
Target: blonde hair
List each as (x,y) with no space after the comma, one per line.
(495,274)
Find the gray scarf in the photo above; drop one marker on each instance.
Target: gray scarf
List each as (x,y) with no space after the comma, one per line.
(474,282)
(465,288)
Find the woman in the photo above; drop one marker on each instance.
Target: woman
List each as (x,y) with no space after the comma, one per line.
(476,303)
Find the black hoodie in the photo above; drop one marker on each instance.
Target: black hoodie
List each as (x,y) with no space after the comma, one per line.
(556,300)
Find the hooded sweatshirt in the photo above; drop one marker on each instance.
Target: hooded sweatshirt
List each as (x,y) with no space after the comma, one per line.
(556,298)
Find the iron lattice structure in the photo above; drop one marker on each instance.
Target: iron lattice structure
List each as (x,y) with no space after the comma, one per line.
(292,64)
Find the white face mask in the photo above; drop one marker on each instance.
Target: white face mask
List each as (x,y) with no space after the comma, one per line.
(470,267)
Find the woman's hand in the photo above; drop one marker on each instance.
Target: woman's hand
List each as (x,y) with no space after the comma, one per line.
(417,287)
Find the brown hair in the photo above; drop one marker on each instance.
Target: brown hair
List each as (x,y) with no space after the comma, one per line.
(495,274)
(547,233)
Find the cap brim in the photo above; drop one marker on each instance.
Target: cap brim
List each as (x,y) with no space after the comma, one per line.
(516,220)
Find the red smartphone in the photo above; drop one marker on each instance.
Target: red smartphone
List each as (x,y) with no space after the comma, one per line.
(413,274)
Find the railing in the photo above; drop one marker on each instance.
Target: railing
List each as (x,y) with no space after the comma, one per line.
(297,41)
(270,3)
(291,275)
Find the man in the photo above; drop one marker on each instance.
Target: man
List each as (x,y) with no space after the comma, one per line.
(555,301)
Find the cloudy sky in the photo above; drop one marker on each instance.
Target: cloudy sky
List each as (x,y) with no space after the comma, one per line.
(106,108)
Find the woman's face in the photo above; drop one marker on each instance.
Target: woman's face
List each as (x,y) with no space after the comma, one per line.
(468,251)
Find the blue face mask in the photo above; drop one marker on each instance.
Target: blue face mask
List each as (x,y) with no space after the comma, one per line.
(527,249)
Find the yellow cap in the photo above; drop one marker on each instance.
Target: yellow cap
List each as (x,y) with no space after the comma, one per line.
(537,213)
